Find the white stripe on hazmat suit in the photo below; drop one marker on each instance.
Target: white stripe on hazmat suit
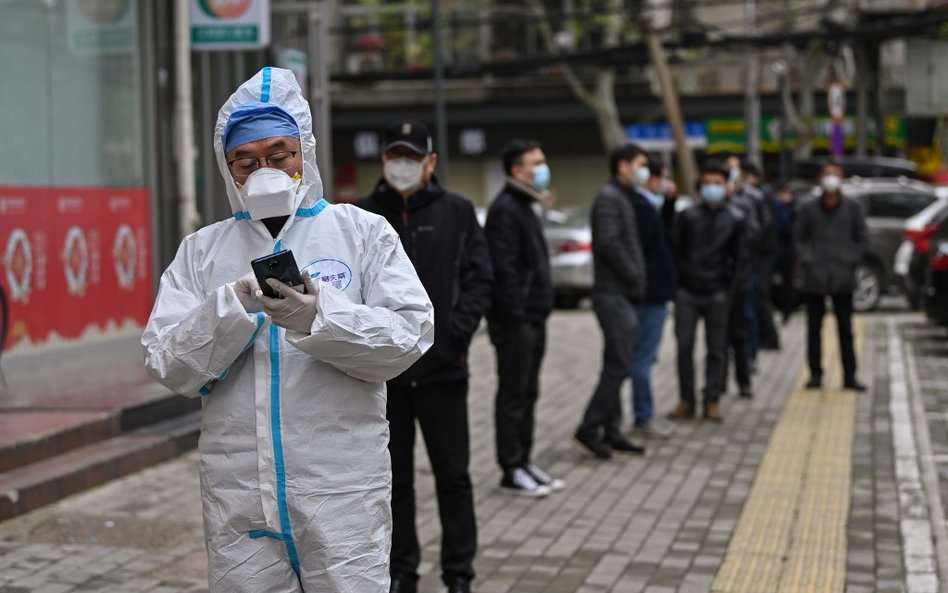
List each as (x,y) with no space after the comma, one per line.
(295,471)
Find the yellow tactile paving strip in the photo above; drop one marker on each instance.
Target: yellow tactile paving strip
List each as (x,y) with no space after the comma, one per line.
(791,535)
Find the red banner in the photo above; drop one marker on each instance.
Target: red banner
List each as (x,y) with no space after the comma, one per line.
(74,260)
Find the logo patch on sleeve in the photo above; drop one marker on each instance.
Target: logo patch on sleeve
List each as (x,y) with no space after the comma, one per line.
(332,271)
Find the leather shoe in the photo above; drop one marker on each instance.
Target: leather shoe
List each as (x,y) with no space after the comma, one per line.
(459,586)
(592,446)
(814,383)
(403,583)
(854,384)
(682,411)
(746,392)
(712,412)
(624,445)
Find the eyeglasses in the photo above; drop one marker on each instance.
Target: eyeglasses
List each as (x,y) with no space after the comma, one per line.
(246,165)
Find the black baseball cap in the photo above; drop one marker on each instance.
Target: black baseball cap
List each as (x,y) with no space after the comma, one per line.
(409,133)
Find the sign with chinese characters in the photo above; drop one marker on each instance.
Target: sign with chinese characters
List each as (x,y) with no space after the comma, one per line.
(74,260)
(96,27)
(230,24)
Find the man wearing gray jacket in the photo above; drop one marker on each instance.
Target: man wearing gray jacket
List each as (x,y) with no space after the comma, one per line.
(619,287)
(831,238)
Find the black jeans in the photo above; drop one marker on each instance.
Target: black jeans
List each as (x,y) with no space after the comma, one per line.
(688,310)
(843,309)
(441,412)
(737,331)
(520,348)
(769,338)
(618,320)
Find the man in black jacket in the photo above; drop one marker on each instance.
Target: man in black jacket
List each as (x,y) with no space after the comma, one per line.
(440,233)
(831,239)
(711,251)
(618,289)
(516,321)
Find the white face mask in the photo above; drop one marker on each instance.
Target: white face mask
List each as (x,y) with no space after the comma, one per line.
(831,183)
(403,173)
(269,192)
(641,176)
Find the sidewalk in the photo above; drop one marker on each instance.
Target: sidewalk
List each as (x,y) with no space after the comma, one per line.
(661,523)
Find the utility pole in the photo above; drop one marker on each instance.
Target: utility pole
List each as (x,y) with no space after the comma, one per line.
(188,218)
(686,158)
(441,122)
(752,90)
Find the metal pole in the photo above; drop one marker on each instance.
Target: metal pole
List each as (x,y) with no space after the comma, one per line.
(441,122)
(784,153)
(188,218)
(752,91)
(319,93)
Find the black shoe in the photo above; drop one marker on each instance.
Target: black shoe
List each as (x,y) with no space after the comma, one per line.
(403,583)
(459,586)
(591,445)
(854,384)
(623,445)
(814,383)
(746,392)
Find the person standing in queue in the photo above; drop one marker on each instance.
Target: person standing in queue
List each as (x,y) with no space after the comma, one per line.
(516,320)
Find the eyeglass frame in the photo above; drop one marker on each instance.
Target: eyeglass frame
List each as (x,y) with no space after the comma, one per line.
(230,163)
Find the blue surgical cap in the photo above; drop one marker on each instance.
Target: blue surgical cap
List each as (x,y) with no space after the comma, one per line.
(255,121)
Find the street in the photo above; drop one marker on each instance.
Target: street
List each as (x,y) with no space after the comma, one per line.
(864,478)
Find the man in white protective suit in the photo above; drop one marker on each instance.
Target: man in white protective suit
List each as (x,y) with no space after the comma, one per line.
(295,471)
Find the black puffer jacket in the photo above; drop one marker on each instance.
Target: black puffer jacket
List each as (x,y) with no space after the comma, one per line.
(711,247)
(440,233)
(617,250)
(523,289)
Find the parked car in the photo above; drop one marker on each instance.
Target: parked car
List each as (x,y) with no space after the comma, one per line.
(569,237)
(888,202)
(870,166)
(912,258)
(936,282)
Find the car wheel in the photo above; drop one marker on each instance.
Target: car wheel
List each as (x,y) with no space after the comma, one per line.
(868,291)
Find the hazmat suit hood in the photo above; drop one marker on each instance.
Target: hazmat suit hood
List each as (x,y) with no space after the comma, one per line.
(277,86)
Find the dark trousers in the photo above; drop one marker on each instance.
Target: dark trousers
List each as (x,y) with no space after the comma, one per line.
(738,342)
(519,349)
(843,309)
(714,310)
(618,320)
(441,412)
(766,328)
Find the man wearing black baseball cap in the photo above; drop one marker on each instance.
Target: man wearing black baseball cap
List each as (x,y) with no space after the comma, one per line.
(444,241)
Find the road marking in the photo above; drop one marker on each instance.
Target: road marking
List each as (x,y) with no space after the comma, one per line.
(922,517)
(791,535)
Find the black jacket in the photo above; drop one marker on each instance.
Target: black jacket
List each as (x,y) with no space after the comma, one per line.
(711,249)
(830,244)
(617,250)
(523,289)
(440,233)
(655,228)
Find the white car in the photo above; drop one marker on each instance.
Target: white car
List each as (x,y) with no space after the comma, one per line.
(911,259)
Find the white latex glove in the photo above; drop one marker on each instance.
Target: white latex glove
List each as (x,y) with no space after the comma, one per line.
(295,311)
(247,289)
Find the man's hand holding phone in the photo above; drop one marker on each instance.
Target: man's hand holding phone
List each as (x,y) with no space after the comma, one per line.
(291,310)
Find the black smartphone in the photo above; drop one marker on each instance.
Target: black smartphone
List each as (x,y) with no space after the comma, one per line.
(282,266)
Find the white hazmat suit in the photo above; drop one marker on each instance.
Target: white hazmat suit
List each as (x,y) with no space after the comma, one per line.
(295,471)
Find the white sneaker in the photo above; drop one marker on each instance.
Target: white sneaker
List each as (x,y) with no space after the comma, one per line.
(656,428)
(545,479)
(519,481)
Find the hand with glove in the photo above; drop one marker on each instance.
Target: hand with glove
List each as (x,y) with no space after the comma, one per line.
(247,289)
(295,311)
